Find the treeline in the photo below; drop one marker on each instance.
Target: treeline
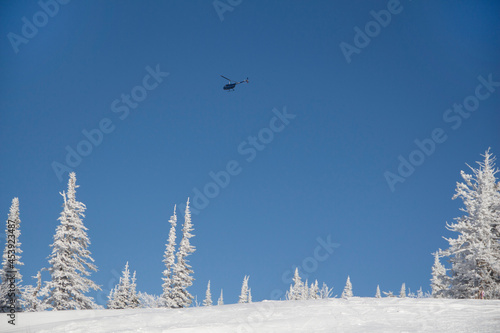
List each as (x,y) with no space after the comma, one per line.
(473,259)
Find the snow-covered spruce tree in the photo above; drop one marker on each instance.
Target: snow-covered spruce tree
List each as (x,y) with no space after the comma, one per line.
(124,295)
(305,290)
(347,289)
(402,292)
(475,254)
(314,290)
(220,301)
(244,291)
(182,278)
(32,296)
(10,276)
(296,291)
(70,260)
(249,295)
(377,293)
(208,296)
(169,261)
(439,280)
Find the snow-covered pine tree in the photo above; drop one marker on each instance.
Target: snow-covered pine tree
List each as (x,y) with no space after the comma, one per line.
(10,275)
(347,289)
(439,281)
(249,295)
(296,291)
(124,295)
(134,297)
(244,291)
(208,296)
(70,260)
(402,292)
(32,296)
(169,261)
(220,301)
(475,254)
(314,290)
(182,270)
(377,293)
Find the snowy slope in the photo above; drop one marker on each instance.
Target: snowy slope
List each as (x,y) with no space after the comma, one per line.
(331,315)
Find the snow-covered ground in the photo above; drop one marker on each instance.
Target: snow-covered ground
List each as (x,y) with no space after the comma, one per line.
(330,315)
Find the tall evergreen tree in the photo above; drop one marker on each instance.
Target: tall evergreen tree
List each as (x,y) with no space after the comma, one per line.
(208,296)
(124,295)
(347,289)
(377,293)
(475,254)
(70,260)
(183,278)
(244,291)
(10,276)
(167,297)
(439,281)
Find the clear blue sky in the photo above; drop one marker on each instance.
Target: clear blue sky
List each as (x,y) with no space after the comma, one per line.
(321,174)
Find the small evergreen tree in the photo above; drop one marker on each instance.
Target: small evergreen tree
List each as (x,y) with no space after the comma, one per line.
(208,296)
(70,260)
(439,281)
(220,301)
(402,293)
(32,296)
(124,295)
(377,294)
(244,291)
(296,291)
(347,289)
(314,290)
(10,275)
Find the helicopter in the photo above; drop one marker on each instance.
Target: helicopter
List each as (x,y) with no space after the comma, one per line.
(232,84)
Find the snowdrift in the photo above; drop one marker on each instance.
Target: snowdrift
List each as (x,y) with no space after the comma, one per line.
(329,315)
